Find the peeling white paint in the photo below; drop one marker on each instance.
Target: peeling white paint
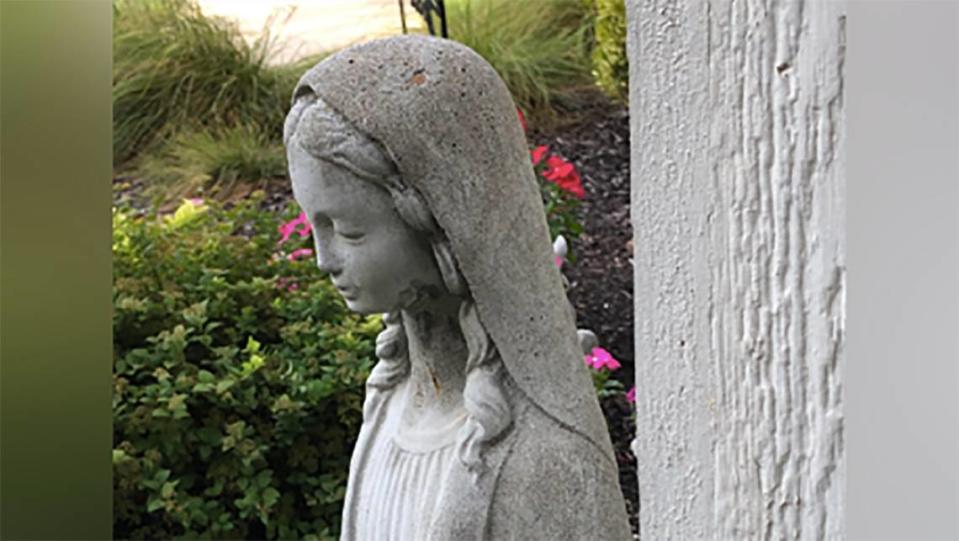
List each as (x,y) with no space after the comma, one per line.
(738,213)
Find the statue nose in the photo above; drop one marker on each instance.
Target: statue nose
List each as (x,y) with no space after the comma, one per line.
(328,265)
(327,260)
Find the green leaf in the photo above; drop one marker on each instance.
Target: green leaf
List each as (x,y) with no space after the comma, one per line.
(263,478)
(252,346)
(119,456)
(223,385)
(161,412)
(161,476)
(154,503)
(168,489)
(270,496)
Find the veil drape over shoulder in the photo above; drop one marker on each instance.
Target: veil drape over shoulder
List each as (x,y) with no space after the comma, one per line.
(449,123)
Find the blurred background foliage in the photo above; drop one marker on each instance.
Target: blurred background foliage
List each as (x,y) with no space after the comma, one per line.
(539,49)
(610,63)
(177,71)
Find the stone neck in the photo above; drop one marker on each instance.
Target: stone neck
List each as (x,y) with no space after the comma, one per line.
(437,353)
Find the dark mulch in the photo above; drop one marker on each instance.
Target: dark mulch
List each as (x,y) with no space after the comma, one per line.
(601,278)
(130,192)
(595,138)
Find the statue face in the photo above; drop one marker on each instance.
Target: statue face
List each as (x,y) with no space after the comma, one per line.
(375,260)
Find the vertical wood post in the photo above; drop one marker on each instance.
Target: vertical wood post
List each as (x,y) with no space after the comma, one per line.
(737,127)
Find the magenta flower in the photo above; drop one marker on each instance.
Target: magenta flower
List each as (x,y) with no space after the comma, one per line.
(631,394)
(599,358)
(299,225)
(559,261)
(299,253)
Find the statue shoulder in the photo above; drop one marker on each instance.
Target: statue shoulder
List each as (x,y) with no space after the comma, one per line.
(555,484)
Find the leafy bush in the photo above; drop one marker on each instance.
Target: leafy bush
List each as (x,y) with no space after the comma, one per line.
(213,159)
(238,381)
(538,47)
(173,67)
(610,62)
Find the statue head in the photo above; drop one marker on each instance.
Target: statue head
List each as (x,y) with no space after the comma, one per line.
(384,252)
(418,138)
(373,234)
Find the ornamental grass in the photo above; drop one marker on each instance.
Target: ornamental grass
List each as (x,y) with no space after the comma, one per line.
(213,161)
(174,67)
(540,48)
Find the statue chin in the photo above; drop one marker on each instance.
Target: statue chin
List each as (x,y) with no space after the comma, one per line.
(415,297)
(357,307)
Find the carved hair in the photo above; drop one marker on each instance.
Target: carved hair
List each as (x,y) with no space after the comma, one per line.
(327,135)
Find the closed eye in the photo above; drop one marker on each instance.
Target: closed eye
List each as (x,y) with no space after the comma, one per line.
(351,235)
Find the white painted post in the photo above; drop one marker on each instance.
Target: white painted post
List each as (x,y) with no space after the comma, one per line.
(738,193)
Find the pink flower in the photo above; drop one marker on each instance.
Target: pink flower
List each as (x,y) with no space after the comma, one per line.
(299,225)
(559,261)
(538,153)
(599,358)
(196,201)
(631,394)
(299,253)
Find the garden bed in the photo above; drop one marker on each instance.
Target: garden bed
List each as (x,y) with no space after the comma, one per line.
(595,138)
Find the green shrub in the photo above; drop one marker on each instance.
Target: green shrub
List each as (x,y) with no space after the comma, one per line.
(538,47)
(610,62)
(238,381)
(213,159)
(173,67)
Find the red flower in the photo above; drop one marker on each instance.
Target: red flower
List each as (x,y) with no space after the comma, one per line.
(557,168)
(563,174)
(522,118)
(537,153)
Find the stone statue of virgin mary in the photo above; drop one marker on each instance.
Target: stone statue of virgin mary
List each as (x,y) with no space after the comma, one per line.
(480,421)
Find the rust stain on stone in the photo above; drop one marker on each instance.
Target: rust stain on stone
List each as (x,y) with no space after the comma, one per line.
(418,77)
(436,382)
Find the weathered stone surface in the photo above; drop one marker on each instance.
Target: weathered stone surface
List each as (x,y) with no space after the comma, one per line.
(480,343)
